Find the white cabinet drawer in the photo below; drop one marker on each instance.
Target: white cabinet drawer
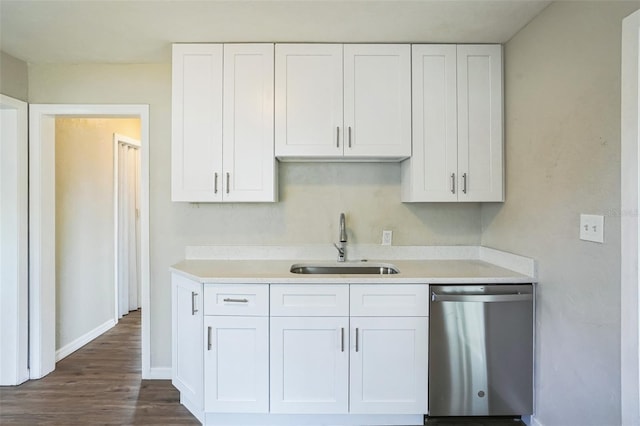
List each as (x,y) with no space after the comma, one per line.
(309,300)
(394,300)
(236,299)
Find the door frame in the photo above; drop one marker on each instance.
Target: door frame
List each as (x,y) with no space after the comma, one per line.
(630,222)
(42,318)
(14,305)
(117,139)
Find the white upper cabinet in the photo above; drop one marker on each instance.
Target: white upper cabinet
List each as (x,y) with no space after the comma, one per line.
(338,101)
(377,100)
(196,139)
(457,125)
(480,123)
(222,139)
(309,100)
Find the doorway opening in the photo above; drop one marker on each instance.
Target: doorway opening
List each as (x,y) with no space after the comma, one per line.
(126,213)
(87,266)
(44,247)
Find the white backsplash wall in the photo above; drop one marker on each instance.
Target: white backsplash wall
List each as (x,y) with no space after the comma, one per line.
(312,195)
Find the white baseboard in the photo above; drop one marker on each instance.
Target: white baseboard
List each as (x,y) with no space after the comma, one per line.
(157,373)
(67,350)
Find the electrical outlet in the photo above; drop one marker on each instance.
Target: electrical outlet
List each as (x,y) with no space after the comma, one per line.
(387,238)
(592,228)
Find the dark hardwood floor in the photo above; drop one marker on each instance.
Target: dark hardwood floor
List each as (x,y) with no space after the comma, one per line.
(98,384)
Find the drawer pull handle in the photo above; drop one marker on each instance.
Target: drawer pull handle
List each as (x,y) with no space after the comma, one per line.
(464,183)
(193,303)
(236,300)
(453,183)
(209,338)
(356,340)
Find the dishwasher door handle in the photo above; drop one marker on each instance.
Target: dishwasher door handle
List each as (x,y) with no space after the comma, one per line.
(481,298)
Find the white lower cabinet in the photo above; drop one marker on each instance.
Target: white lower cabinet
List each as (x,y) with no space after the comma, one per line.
(388,368)
(301,354)
(236,364)
(187,314)
(309,365)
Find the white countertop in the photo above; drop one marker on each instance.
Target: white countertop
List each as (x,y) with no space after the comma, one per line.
(437,271)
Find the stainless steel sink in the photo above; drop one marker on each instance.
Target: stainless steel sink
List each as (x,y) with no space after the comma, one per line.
(347,268)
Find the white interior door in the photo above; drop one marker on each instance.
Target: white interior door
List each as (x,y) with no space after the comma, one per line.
(128,227)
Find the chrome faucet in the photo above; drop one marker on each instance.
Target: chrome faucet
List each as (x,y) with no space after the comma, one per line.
(342,245)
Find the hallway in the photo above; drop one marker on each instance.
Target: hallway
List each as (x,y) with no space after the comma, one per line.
(98,384)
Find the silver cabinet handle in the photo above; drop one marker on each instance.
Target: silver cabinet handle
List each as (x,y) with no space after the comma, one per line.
(236,300)
(342,339)
(338,137)
(464,183)
(356,340)
(208,338)
(193,303)
(453,183)
(228,179)
(349,136)
(215,183)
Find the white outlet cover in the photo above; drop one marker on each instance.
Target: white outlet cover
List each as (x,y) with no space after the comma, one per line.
(592,228)
(387,238)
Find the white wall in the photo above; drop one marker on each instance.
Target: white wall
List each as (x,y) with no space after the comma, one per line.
(563,158)
(85,224)
(311,195)
(13,77)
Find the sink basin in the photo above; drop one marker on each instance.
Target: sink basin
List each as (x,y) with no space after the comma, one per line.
(347,268)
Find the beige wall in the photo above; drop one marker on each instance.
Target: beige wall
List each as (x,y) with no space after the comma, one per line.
(13,77)
(85,223)
(311,195)
(563,158)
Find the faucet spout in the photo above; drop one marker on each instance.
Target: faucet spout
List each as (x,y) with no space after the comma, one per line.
(343,230)
(342,245)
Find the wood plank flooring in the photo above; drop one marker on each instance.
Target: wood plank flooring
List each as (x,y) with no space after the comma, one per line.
(98,384)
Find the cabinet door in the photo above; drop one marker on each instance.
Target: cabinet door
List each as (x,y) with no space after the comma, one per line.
(431,172)
(309,100)
(388,365)
(187,348)
(236,364)
(480,118)
(377,100)
(248,157)
(196,140)
(309,365)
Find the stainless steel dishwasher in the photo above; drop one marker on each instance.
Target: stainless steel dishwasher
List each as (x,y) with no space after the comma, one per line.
(481,350)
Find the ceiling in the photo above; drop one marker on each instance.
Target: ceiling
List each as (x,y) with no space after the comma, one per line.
(141,31)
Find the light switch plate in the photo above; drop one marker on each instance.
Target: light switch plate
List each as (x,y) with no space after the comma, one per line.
(592,228)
